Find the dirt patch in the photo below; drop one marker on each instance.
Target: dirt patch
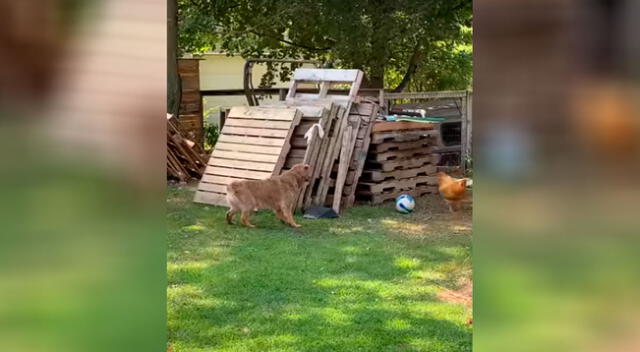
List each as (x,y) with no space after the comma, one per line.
(463,295)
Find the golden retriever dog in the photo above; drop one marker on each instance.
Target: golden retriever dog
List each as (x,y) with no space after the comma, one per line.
(278,193)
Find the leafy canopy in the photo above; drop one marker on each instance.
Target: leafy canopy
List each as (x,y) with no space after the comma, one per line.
(392,41)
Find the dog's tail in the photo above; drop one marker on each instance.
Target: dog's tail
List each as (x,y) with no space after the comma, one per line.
(232,193)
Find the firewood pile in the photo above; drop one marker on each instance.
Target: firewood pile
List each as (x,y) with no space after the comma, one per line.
(186,160)
(400,160)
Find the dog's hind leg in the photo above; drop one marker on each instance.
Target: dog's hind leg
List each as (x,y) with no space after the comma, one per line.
(288,216)
(245,219)
(230,215)
(280,215)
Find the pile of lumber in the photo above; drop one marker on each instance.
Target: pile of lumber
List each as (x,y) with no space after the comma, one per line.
(401,160)
(330,133)
(185,159)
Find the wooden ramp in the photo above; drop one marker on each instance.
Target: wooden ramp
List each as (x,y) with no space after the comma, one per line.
(253,145)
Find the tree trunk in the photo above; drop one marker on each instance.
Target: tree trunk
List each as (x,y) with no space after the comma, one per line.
(173,79)
(412,67)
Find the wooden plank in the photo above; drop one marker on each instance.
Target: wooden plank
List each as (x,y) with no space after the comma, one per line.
(285,150)
(210,198)
(279,125)
(383,126)
(379,175)
(401,164)
(256,132)
(329,124)
(397,146)
(313,109)
(263,113)
(265,158)
(271,142)
(329,75)
(345,159)
(239,164)
(221,180)
(257,149)
(210,187)
(246,174)
(400,154)
(426,95)
(360,155)
(402,136)
(311,96)
(313,151)
(332,154)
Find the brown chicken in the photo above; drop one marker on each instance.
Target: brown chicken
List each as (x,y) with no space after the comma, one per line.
(452,190)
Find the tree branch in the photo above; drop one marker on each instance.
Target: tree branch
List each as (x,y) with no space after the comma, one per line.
(280,39)
(412,67)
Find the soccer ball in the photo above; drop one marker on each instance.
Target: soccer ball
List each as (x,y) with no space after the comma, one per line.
(405,203)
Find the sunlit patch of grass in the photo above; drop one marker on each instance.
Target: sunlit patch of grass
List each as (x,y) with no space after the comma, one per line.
(366,281)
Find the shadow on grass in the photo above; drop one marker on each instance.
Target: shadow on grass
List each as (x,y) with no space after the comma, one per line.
(334,286)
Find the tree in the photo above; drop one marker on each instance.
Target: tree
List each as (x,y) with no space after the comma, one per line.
(173,78)
(391,41)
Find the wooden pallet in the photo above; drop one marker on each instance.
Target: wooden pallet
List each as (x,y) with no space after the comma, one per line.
(398,146)
(384,126)
(400,154)
(401,164)
(331,146)
(402,136)
(396,185)
(379,175)
(348,144)
(368,111)
(380,198)
(253,144)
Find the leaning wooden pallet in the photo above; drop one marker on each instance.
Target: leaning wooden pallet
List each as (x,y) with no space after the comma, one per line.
(307,150)
(253,144)
(348,144)
(367,110)
(326,78)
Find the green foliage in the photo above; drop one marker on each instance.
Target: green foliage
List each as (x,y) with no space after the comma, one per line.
(383,38)
(211,134)
(367,281)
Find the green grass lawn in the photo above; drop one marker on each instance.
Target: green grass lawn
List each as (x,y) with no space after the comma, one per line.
(368,281)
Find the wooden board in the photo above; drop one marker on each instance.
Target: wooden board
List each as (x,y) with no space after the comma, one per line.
(348,146)
(252,145)
(379,175)
(383,126)
(402,136)
(400,154)
(397,185)
(360,151)
(397,146)
(400,164)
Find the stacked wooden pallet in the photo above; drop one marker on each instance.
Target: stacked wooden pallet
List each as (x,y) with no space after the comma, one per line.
(400,160)
(185,158)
